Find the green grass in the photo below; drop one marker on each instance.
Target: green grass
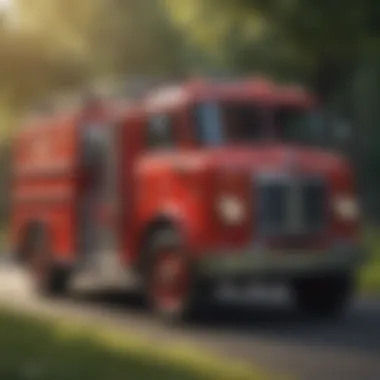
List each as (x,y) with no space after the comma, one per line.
(370,274)
(47,349)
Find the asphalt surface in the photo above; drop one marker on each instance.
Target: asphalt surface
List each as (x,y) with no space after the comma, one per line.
(270,335)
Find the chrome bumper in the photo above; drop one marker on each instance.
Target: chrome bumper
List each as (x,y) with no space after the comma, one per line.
(282,263)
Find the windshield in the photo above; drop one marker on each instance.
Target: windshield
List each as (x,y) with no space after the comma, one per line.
(234,122)
(245,123)
(292,124)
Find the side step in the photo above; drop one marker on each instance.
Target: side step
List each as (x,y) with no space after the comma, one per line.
(105,270)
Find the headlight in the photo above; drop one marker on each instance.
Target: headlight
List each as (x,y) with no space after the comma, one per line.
(346,208)
(231,210)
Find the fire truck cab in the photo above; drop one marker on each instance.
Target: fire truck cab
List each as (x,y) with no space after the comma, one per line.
(193,186)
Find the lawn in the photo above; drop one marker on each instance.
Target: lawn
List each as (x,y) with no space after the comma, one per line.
(370,274)
(46,349)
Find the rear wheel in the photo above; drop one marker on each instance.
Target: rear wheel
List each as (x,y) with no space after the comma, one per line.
(174,290)
(48,279)
(325,296)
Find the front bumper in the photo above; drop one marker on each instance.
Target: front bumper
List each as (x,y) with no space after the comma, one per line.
(282,263)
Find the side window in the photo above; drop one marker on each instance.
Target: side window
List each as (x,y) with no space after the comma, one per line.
(160,132)
(209,124)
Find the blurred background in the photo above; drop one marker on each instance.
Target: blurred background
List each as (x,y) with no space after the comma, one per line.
(48,46)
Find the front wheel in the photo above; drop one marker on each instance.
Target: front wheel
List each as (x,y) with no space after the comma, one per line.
(174,290)
(324,296)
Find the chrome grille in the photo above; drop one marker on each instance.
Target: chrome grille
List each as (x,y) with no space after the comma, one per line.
(291,206)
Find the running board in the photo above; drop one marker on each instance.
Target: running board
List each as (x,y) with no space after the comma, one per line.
(105,271)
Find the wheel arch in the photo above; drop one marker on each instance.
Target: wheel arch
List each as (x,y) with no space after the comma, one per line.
(161,222)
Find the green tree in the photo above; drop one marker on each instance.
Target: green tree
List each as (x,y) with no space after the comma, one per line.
(132,36)
(329,37)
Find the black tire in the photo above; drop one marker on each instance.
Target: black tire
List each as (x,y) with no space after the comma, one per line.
(324,296)
(48,279)
(197,300)
(57,286)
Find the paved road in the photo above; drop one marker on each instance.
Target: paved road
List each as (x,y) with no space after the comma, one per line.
(272,336)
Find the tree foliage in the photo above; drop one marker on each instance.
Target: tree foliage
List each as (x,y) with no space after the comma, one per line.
(329,38)
(56,44)
(129,36)
(60,42)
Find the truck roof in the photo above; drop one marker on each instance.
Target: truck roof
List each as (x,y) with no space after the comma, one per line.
(258,88)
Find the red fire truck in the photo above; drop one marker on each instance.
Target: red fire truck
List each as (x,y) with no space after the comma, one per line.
(193,186)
